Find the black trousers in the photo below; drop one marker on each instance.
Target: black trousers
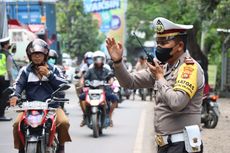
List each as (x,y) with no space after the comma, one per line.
(178,147)
(4,95)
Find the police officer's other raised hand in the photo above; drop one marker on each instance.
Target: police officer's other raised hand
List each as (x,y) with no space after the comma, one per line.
(156,70)
(115,49)
(13,101)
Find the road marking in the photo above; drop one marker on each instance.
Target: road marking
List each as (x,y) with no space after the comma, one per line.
(140,134)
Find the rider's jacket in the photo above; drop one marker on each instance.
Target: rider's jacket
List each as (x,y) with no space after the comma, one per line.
(35,88)
(97,74)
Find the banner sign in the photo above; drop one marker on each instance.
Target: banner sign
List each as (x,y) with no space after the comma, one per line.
(110,15)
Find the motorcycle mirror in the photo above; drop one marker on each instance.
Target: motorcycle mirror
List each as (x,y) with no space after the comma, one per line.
(61,87)
(77,77)
(64,86)
(110,75)
(77,70)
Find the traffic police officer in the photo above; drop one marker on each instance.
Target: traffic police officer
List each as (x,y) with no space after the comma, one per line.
(178,81)
(5,76)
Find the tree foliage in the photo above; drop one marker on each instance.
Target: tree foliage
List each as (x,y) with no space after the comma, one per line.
(79,32)
(205,15)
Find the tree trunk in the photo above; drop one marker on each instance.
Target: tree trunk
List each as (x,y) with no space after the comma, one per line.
(196,53)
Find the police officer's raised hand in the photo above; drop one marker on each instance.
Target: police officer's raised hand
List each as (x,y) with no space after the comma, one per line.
(157,70)
(13,101)
(115,49)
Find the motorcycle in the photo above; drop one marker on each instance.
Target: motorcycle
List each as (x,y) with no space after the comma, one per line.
(143,93)
(120,91)
(37,129)
(97,110)
(117,90)
(210,111)
(126,92)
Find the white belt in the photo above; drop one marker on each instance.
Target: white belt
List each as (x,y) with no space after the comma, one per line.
(164,140)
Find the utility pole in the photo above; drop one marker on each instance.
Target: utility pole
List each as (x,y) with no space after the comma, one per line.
(4,34)
(224,52)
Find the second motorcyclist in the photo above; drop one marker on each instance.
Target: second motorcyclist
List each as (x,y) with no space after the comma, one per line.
(99,72)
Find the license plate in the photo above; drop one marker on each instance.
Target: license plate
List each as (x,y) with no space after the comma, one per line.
(214,104)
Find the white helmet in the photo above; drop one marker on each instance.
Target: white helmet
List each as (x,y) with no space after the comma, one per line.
(99,54)
(88,55)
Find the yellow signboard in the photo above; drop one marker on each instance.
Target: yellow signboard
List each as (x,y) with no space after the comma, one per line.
(212,73)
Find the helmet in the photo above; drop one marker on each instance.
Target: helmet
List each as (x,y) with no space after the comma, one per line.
(88,54)
(37,46)
(53,54)
(99,54)
(88,58)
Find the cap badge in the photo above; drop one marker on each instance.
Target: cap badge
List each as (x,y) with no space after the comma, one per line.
(159,27)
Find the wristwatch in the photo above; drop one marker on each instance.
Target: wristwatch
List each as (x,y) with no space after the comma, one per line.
(118,61)
(49,73)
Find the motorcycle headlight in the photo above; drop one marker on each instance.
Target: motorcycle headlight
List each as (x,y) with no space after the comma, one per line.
(34,119)
(95,96)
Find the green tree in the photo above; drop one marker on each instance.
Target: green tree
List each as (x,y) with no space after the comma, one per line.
(205,15)
(79,32)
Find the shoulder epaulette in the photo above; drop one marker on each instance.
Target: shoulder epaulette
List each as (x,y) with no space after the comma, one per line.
(189,60)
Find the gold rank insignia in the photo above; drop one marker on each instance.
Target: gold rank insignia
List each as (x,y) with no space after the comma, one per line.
(159,28)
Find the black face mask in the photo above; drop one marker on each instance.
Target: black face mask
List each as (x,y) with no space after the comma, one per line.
(163,54)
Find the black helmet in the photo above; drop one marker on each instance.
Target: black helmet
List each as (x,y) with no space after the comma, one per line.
(37,46)
(53,54)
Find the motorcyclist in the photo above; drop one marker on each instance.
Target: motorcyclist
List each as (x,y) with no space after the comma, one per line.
(53,56)
(88,60)
(99,72)
(127,64)
(52,59)
(141,63)
(43,78)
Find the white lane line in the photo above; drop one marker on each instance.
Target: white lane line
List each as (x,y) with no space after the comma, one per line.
(140,134)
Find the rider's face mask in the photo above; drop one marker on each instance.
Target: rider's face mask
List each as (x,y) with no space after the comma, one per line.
(52,61)
(89,61)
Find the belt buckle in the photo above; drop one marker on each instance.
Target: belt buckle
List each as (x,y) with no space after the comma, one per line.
(159,140)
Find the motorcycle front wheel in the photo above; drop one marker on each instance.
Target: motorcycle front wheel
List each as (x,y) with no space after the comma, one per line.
(31,147)
(95,125)
(212,120)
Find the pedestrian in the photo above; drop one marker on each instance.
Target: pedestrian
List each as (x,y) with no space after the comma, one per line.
(179,82)
(15,68)
(6,78)
(141,63)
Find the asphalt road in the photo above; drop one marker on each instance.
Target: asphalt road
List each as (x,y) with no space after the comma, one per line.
(132,131)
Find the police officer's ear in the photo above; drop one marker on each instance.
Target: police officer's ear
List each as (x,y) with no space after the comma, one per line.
(181,46)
